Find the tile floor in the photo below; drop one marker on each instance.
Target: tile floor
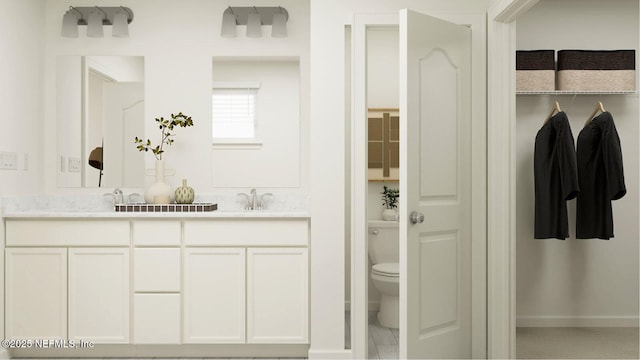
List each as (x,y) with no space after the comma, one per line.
(383,342)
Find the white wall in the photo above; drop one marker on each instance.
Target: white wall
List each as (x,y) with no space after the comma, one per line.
(382,68)
(178,40)
(328,20)
(69,130)
(21,95)
(593,281)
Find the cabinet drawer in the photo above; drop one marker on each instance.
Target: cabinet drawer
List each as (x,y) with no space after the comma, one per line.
(156,269)
(67,233)
(246,233)
(156,319)
(156,233)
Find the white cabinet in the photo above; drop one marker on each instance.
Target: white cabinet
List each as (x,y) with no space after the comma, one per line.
(165,282)
(36,293)
(214,295)
(157,282)
(99,294)
(277,295)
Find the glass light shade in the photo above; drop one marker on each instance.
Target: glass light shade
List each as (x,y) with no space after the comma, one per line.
(70,24)
(254,25)
(279,25)
(94,27)
(120,25)
(228,25)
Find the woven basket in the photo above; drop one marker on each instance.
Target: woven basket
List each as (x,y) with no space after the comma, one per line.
(596,70)
(535,70)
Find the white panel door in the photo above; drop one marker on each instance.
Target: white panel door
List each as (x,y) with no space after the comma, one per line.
(214,295)
(99,294)
(123,120)
(435,113)
(277,295)
(36,293)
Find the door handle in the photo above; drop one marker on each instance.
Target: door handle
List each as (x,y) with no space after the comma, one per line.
(416,217)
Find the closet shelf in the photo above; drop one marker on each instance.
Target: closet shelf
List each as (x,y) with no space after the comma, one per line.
(576,92)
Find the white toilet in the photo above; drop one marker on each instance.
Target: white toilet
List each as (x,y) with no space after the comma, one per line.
(384,253)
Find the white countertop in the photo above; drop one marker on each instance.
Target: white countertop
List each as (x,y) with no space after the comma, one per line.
(264,214)
(96,207)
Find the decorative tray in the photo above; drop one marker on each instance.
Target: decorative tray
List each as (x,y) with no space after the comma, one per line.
(143,207)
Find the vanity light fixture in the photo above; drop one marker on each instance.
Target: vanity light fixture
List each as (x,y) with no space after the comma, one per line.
(121,23)
(279,24)
(94,26)
(254,18)
(95,18)
(229,23)
(70,22)
(254,24)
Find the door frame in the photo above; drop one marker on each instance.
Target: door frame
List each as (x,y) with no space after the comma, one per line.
(359,254)
(501,230)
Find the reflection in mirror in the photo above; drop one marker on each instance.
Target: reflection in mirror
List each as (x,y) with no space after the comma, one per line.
(100,110)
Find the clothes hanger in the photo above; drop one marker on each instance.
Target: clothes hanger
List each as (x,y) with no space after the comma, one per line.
(555,109)
(599,107)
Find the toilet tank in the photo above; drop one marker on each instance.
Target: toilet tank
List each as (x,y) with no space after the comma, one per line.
(384,244)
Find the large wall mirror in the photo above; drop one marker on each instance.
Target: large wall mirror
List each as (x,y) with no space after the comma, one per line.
(100,110)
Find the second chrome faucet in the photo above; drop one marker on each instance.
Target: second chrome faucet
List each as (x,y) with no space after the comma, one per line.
(253,201)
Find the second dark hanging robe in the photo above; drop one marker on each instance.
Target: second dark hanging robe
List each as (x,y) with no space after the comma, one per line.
(601,177)
(556,177)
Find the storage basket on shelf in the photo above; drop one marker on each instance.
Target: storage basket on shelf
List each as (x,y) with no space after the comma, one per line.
(535,70)
(597,70)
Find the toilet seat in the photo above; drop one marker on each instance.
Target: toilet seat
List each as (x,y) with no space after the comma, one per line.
(386,269)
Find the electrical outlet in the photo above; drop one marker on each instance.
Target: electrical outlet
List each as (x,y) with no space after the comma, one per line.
(74,164)
(8,160)
(25,164)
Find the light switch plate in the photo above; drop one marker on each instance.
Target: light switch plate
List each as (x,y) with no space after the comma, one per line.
(74,164)
(8,160)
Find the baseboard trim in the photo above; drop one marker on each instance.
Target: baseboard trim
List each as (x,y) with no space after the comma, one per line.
(577,321)
(330,354)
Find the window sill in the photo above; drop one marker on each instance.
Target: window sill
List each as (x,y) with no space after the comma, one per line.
(236,144)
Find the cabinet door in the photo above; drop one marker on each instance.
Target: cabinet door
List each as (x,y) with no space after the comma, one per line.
(214,295)
(99,294)
(277,295)
(36,293)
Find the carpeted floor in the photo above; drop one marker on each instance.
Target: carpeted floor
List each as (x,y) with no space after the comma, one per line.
(577,343)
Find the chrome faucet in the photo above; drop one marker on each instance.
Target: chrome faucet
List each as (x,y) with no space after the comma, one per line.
(118,196)
(253,201)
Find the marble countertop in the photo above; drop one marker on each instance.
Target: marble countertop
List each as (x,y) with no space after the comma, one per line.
(99,207)
(149,215)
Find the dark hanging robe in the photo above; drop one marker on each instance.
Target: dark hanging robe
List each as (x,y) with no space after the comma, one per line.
(556,177)
(601,177)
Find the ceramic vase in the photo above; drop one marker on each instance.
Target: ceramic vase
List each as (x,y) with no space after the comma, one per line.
(184,194)
(159,192)
(389,215)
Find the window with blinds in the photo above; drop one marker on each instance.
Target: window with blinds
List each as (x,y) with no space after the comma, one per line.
(234,111)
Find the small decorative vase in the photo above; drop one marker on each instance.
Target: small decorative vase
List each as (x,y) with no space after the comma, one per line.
(184,194)
(159,192)
(389,215)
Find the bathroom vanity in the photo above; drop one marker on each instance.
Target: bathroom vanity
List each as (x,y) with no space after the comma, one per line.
(195,284)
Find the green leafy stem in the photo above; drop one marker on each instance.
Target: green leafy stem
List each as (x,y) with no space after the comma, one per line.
(166,128)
